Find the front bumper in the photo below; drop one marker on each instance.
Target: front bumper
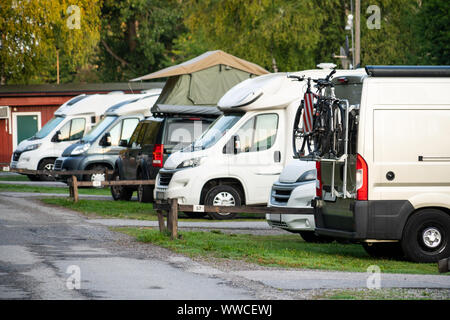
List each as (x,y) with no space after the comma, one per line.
(69,163)
(181,184)
(24,160)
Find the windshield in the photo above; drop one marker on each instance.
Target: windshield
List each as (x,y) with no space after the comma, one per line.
(217,130)
(49,126)
(98,129)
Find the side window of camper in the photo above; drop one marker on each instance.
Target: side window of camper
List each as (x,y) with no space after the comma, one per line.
(258,133)
(73,129)
(128,127)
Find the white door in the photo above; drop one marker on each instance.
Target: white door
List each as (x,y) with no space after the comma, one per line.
(259,162)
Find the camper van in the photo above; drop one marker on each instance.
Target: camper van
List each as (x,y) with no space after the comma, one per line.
(171,128)
(395,197)
(99,148)
(70,122)
(296,186)
(236,161)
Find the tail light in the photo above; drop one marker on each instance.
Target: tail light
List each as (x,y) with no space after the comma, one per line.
(319,180)
(158,151)
(362,180)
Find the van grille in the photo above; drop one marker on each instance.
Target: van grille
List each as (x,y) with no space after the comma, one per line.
(16,155)
(164,178)
(281,195)
(58,165)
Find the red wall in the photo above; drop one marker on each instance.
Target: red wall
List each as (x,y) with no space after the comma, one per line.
(45,105)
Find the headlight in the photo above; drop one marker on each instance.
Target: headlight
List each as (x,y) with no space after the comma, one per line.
(32,147)
(80,149)
(190,163)
(308,176)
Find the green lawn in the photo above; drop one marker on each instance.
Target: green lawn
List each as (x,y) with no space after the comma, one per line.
(43,189)
(13,177)
(281,251)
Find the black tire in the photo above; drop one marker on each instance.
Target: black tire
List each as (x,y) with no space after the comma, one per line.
(229,196)
(388,250)
(144,192)
(120,192)
(311,237)
(426,236)
(33,177)
(46,164)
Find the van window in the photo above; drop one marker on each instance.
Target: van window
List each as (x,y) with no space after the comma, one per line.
(134,137)
(115,134)
(99,128)
(216,131)
(123,130)
(73,129)
(258,133)
(151,133)
(49,126)
(184,131)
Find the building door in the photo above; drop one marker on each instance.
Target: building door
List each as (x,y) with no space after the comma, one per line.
(26,125)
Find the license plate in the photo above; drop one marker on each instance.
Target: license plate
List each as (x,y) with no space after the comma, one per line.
(160,195)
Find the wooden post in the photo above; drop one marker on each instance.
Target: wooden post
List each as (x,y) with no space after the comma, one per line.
(162,226)
(75,188)
(172,218)
(70,188)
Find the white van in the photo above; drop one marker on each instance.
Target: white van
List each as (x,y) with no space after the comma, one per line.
(70,122)
(296,186)
(99,148)
(397,195)
(236,161)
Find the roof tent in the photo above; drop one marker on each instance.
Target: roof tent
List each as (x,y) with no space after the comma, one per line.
(201,82)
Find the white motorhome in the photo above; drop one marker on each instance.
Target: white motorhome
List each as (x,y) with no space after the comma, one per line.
(236,161)
(296,186)
(395,197)
(70,122)
(100,147)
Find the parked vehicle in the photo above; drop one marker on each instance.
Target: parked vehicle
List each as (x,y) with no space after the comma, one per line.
(296,186)
(70,122)
(395,197)
(99,149)
(236,161)
(153,140)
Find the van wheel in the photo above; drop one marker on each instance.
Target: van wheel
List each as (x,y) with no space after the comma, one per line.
(390,250)
(311,237)
(96,176)
(46,164)
(223,195)
(120,192)
(426,237)
(144,192)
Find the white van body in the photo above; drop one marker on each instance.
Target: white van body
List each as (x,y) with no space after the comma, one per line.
(189,175)
(403,139)
(82,109)
(119,122)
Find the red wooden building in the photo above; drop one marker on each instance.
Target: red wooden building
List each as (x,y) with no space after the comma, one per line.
(34,105)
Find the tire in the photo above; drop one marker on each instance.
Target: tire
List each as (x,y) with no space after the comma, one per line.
(389,250)
(426,236)
(33,177)
(311,237)
(195,215)
(46,164)
(96,176)
(223,195)
(120,192)
(144,192)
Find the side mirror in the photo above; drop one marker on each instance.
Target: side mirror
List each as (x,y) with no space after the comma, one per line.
(123,143)
(233,146)
(56,137)
(105,141)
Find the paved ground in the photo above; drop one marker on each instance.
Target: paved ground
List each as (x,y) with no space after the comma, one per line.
(40,244)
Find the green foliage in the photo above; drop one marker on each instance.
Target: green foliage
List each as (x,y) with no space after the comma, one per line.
(32,32)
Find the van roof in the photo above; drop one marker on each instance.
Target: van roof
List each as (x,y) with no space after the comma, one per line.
(94,103)
(272,91)
(141,104)
(408,71)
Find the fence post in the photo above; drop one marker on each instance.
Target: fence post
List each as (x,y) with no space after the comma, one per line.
(172,218)
(162,226)
(75,188)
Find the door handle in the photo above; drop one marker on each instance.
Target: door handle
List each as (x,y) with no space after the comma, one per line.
(277,156)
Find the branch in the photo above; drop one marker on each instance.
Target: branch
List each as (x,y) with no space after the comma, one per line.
(115,56)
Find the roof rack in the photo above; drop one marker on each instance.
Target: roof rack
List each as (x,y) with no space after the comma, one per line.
(408,71)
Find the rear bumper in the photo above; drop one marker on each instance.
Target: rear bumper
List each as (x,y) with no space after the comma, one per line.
(363,220)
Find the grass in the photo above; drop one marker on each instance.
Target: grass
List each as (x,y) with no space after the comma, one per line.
(59,190)
(119,209)
(384,294)
(280,251)
(13,177)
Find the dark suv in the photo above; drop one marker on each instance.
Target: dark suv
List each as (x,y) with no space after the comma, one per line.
(151,143)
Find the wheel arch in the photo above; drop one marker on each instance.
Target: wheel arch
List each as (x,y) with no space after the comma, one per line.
(223,181)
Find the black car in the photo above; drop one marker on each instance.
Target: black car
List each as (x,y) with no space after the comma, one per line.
(151,143)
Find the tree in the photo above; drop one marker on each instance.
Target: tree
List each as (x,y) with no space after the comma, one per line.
(34,33)
(137,36)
